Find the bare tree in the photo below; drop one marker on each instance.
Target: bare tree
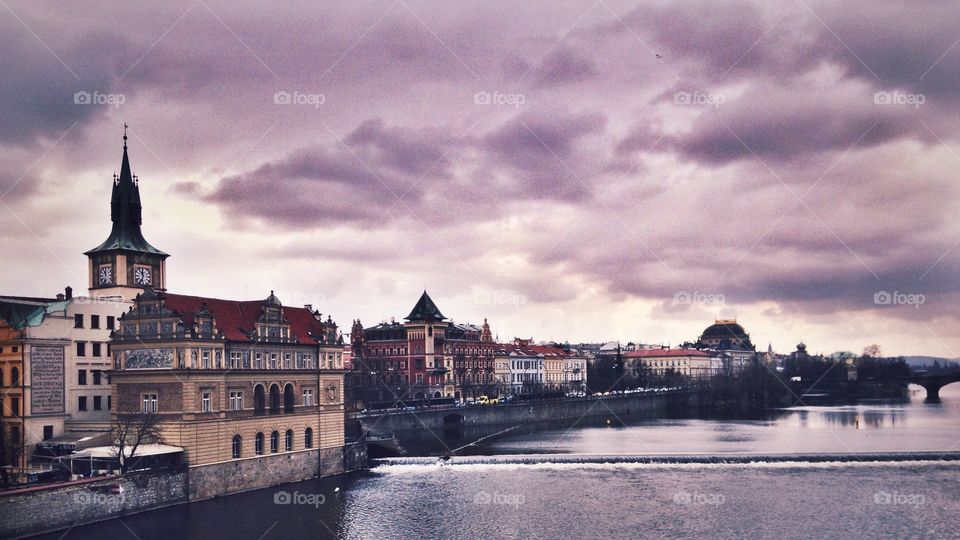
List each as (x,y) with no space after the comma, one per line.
(129,432)
(873,351)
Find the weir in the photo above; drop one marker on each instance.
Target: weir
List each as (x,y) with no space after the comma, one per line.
(677,459)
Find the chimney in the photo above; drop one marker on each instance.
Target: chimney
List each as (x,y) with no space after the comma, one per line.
(68,292)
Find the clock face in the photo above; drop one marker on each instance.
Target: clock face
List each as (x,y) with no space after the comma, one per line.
(141,275)
(106,275)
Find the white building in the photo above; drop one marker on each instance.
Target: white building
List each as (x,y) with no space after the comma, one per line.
(54,358)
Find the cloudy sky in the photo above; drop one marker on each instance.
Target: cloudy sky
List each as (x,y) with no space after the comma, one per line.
(570,170)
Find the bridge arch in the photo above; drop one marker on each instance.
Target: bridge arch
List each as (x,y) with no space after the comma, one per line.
(453,419)
(933,383)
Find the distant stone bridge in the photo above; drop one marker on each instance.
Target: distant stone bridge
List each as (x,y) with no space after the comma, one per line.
(932,383)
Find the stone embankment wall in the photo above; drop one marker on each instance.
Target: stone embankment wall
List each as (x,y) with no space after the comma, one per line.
(536,411)
(49,508)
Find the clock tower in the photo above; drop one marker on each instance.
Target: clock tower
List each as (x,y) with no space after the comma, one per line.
(125,263)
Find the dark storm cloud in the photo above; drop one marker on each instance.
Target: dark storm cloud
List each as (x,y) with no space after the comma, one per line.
(37,90)
(362,179)
(775,122)
(563,66)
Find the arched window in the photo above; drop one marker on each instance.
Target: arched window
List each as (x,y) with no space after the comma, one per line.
(259,400)
(235,446)
(274,399)
(288,400)
(258,447)
(14,377)
(274,442)
(288,441)
(308,438)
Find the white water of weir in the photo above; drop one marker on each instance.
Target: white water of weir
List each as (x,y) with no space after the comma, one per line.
(425,464)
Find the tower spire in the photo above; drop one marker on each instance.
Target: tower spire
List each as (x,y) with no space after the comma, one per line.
(126,212)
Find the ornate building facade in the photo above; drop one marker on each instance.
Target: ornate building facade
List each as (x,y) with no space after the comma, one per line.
(233,380)
(427,356)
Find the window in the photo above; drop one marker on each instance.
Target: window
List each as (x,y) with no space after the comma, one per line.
(235,446)
(78,320)
(81,376)
(15,406)
(97,403)
(236,401)
(47,432)
(259,400)
(109,322)
(96,376)
(94,321)
(274,442)
(109,402)
(149,403)
(288,399)
(81,348)
(96,349)
(82,403)
(308,397)
(205,401)
(288,441)
(308,438)
(258,444)
(206,359)
(234,360)
(286,361)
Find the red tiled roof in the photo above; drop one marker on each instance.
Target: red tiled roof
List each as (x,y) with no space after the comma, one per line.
(237,318)
(664,353)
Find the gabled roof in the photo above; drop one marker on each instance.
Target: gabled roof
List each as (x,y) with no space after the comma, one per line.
(425,310)
(236,319)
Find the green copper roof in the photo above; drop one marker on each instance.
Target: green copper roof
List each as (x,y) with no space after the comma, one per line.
(126,215)
(22,313)
(425,310)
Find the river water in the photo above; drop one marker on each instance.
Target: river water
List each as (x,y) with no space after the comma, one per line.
(803,472)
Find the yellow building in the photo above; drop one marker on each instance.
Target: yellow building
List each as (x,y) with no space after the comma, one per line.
(234,383)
